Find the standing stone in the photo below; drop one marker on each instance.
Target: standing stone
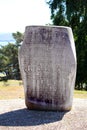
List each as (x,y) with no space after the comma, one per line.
(47,60)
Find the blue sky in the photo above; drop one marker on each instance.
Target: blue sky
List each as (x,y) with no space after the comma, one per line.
(16,14)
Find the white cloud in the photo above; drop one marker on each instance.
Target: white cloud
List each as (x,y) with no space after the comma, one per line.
(16,14)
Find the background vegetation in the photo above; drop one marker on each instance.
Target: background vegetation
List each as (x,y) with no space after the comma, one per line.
(9,58)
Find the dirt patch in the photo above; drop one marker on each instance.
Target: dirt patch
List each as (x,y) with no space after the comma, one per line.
(15,116)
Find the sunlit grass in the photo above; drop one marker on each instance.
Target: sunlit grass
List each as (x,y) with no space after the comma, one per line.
(80,94)
(13,89)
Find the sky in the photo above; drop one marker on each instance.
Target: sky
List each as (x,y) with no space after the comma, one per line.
(16,14)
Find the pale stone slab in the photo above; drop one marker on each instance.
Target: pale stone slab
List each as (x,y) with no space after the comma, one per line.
(47,60)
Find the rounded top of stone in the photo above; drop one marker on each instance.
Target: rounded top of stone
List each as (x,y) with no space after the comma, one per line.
(48,26)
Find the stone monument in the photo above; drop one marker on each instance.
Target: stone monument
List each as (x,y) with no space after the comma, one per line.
(47,60)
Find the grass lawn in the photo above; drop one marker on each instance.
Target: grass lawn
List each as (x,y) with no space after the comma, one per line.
(14,89)
(11,90)
(80,94)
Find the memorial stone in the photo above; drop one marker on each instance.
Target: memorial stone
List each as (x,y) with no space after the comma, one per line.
(47,60)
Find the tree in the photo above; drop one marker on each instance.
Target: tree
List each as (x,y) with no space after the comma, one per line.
(73,13)
(18,37)
(9,58)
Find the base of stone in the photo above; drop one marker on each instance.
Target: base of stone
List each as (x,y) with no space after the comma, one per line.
(31,105)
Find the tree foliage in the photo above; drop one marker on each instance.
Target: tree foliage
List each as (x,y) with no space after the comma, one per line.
(18,37)
(9,58)
(73,13)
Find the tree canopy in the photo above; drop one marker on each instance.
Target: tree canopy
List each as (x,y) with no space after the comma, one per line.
(73,13)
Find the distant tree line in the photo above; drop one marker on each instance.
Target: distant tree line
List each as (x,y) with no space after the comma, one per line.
(73,13)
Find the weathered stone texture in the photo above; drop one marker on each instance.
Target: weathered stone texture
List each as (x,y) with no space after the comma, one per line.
(47,62)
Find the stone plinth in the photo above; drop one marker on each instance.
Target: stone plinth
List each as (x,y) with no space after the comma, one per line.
(47,60)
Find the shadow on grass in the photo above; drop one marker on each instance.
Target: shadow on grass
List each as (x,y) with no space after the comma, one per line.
(24,117)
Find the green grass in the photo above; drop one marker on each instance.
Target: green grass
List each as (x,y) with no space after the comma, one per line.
(13,89)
